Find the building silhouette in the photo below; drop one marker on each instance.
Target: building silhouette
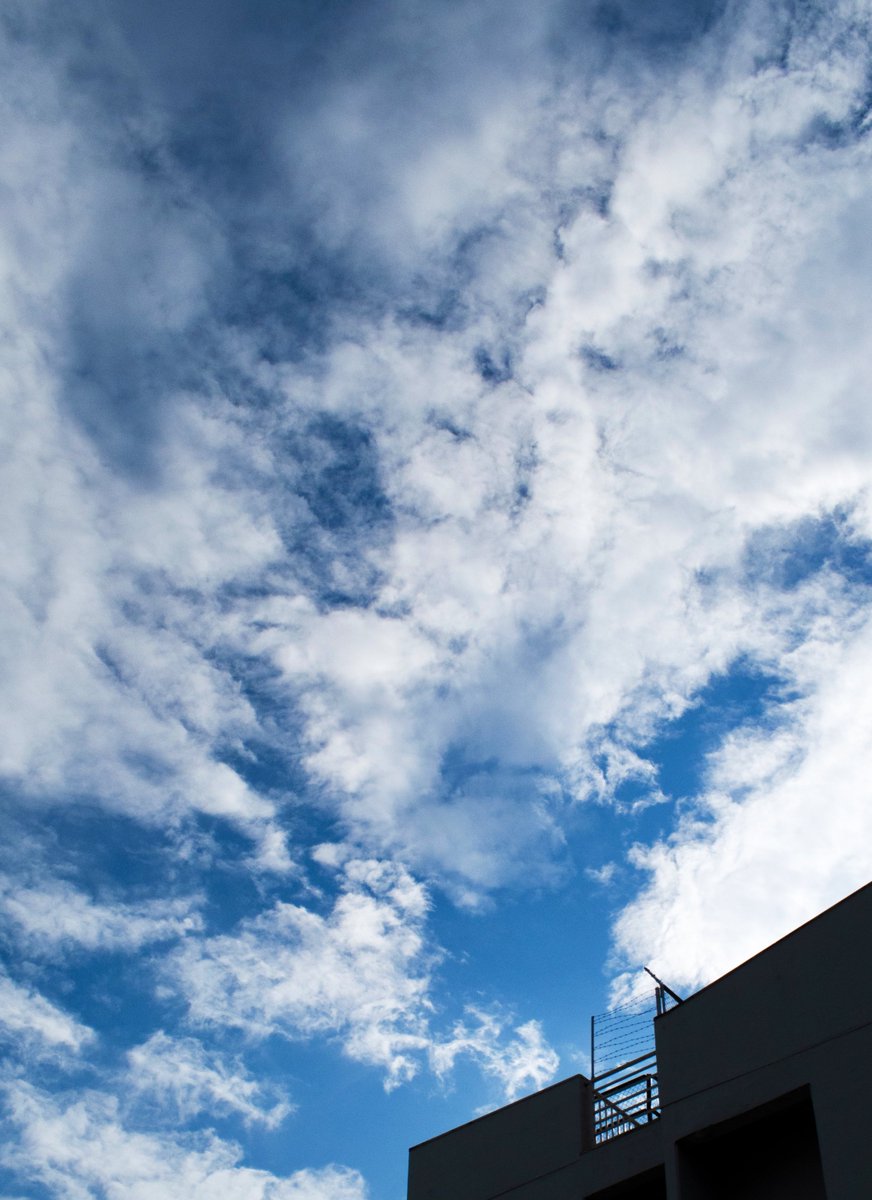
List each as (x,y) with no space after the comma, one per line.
(758,1087)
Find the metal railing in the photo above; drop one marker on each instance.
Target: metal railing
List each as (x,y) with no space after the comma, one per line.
(626,1095)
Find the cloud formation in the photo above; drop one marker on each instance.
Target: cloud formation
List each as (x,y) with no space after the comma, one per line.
(181,1073)
(362,973)
(36,1025)
(524,1064)
(710,900)
(52,918)
(358,972)
(397,454)
(78,1146)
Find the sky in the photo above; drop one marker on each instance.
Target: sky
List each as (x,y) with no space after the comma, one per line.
(437,570)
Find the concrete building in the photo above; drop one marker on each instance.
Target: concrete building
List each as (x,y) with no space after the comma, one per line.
(762,1088)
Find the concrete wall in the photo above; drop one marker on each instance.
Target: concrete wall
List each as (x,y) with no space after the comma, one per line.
(515,1145)
(540,1148)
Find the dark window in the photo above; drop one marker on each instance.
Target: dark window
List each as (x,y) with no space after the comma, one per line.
(769,1153)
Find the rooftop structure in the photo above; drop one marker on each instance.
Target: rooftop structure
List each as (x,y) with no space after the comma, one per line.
(758,1086)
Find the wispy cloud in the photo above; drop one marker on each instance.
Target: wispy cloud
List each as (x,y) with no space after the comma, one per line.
(50,919)
(523,1064)
(182,1076)
(358,972)
(78,1143)
(361,973)
(34,1023)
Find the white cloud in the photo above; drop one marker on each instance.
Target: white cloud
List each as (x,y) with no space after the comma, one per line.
(602,875)
(35,1023)
(110,692)
(359,972)
(55,917)
(783,831)
(676,271)
(524,1063)
(726,283)
(181,1075)
(78,1147)
(384,171)
(103,696)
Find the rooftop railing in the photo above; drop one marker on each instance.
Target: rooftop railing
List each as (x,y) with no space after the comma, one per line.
(626,1097)
(623,1061)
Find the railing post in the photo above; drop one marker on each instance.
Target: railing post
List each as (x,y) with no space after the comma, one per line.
(592,1066)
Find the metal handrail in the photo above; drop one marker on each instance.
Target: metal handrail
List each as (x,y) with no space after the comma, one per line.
(628,1103)
(624,1085)
(651,1054)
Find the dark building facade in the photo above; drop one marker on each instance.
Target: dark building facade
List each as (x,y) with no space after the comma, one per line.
(763,1091)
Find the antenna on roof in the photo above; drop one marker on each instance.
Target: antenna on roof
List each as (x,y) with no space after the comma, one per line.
(661,988)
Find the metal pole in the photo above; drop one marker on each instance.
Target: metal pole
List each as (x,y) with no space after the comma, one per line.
(668,990)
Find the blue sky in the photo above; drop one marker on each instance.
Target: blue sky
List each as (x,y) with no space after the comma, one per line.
(436,581)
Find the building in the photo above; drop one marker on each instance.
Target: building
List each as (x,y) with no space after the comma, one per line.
(761,1088)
